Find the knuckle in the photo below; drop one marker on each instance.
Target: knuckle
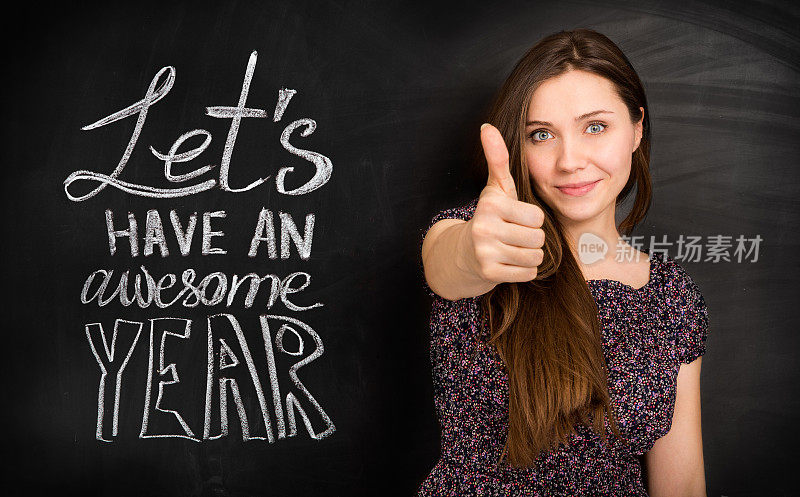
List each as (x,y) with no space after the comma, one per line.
(479,229)
(484,271)
(492,201)
(482,255)
(540,237)
(537,215)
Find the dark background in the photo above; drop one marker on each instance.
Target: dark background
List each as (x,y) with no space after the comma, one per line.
(398,92)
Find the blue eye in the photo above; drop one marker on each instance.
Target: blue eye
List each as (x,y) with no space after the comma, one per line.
(540,135)
(597,124)
(537,132)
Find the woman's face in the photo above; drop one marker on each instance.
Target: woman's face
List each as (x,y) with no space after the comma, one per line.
(567,142)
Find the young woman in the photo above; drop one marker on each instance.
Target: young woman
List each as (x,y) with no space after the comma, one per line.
(565,360)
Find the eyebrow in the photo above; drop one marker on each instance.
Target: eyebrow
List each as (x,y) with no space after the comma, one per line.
(579,118)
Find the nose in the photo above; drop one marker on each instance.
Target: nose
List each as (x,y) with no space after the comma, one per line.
(571,156)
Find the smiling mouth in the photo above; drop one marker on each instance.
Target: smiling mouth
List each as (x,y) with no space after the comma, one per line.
(578,191)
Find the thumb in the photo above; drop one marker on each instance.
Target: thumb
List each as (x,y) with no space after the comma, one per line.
(494,148)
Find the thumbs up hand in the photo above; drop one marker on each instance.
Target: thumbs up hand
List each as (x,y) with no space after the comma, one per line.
(502,241)
(496,153)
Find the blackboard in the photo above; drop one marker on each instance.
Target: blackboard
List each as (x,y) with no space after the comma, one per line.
(357,122)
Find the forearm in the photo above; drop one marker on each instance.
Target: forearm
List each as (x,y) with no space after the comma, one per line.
(444,259)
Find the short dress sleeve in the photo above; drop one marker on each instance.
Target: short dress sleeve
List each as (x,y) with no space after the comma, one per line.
(690,317)
(463,212)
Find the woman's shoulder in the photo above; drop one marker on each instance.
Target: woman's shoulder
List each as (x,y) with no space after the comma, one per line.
(686,308)
(676,280)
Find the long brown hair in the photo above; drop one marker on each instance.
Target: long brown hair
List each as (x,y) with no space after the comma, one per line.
(547,331)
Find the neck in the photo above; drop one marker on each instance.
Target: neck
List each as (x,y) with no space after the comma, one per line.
(594,240)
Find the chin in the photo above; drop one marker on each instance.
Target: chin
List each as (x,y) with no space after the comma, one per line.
(580,213)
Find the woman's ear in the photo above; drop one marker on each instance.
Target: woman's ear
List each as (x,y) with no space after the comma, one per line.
(638,130)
